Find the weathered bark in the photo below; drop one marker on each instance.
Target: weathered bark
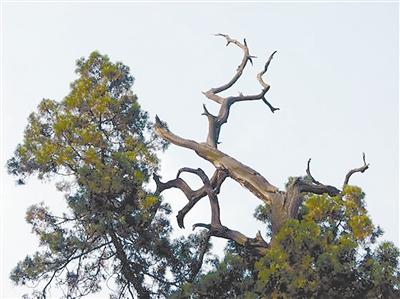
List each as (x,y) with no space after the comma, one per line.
(284,204)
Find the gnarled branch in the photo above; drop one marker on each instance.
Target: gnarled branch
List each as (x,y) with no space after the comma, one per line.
(193,196)
(215,122)
(215,211)
(215,227)
(265,88)
(211,189)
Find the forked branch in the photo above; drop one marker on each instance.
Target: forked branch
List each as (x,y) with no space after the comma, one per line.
(294,196)
(215,122)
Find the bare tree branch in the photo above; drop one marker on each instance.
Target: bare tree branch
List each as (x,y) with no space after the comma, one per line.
(246,57)
(353,171)
(309,173)
(294,197)
(264,90)
(215,123)
(319,189)
(216,228)
(316,187)
(193,196)
(175,183)
(213,128)
(215,210)
(243,174)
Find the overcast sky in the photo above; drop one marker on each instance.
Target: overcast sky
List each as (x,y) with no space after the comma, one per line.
(335,78)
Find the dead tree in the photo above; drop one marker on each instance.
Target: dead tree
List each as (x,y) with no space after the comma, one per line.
(284,205)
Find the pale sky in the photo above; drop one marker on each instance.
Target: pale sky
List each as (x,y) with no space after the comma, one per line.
(335,78)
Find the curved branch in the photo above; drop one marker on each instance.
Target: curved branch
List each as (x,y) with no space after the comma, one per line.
(215,123)
(176,183)
(160,126)
(315,186)
(272,108)
(309,173)
(239,70)
(353,171)
(199,172)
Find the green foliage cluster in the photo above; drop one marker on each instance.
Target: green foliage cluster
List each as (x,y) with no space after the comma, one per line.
(329,252)
(98,145)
